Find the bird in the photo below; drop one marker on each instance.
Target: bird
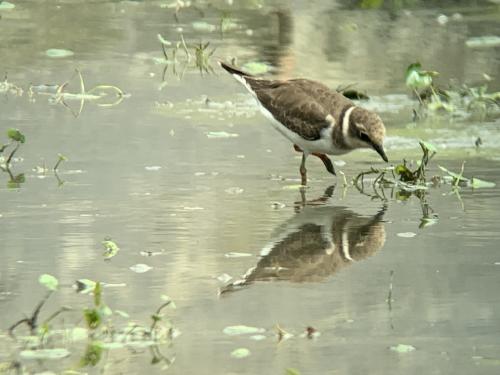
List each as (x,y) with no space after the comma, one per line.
(314,245)
(317,120)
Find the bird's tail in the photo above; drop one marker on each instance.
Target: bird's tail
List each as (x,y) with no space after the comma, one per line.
(233,70)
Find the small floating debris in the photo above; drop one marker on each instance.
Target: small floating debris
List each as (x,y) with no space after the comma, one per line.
(278,205)
(402,348)
(153,168)
(257,337)
(234,190)
(150,253)
(58,52)
(483,41)
(242,330)
(237,255)
(56,353)
(339,163)
(240,353)
(312,333)
(224,278)
(140,268)
(203,26)
(222,135)
(406,234)
(195,208)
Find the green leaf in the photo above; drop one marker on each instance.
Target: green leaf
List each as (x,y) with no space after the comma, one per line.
(476,183)
(5,5)
(404,173)
(48,281)
(57,353)
(16,135)
(111,249)
(58,53)
(453,174)
(92,318)
(240,353)
(426,146)
(93,354)
(242,330)
(402,348)
(416,78)
(85,286)
(292,371)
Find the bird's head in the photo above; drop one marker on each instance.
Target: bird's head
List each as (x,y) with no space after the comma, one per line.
(367,130)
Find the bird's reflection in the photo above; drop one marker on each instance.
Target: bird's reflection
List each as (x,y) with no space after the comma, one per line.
(315,244)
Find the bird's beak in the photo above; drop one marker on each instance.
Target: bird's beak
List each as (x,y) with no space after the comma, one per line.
(381,152)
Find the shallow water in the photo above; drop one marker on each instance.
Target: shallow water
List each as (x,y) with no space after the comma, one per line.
(146,173)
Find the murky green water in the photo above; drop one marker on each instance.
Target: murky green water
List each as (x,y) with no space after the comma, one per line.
(146,173)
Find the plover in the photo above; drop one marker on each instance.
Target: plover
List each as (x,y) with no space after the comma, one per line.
(317,120)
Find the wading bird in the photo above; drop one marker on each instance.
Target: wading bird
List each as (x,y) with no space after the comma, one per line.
(317,120)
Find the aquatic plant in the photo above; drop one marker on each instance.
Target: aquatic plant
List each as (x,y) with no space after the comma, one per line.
(101,333)
(98,94)
(453,99)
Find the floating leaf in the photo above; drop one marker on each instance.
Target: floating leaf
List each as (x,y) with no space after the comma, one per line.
(59,53)
(255,68)
(111,249)
(49,281)
(152,168)
(5,5)
(57,353)
(237,255)
(483,41)
(16,135)
(406,234)
(140,268)
(257,337)
(402,348)
(78,334)
(292,187)
(203,26)
(84,286)
(242,330)
(476,183)
(222,135)
(234,190)
(240,353)
(123,314)
(224,278)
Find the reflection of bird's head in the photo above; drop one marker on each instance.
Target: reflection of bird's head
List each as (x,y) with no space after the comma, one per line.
(317,243)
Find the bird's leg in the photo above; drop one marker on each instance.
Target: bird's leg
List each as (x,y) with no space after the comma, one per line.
(326,161)
(303,170)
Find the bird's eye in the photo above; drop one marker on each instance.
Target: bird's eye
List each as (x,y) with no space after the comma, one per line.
(364,137)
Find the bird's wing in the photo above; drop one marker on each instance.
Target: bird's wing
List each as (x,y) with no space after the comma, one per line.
(292,106)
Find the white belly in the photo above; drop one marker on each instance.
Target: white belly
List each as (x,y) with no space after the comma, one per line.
(323,145)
